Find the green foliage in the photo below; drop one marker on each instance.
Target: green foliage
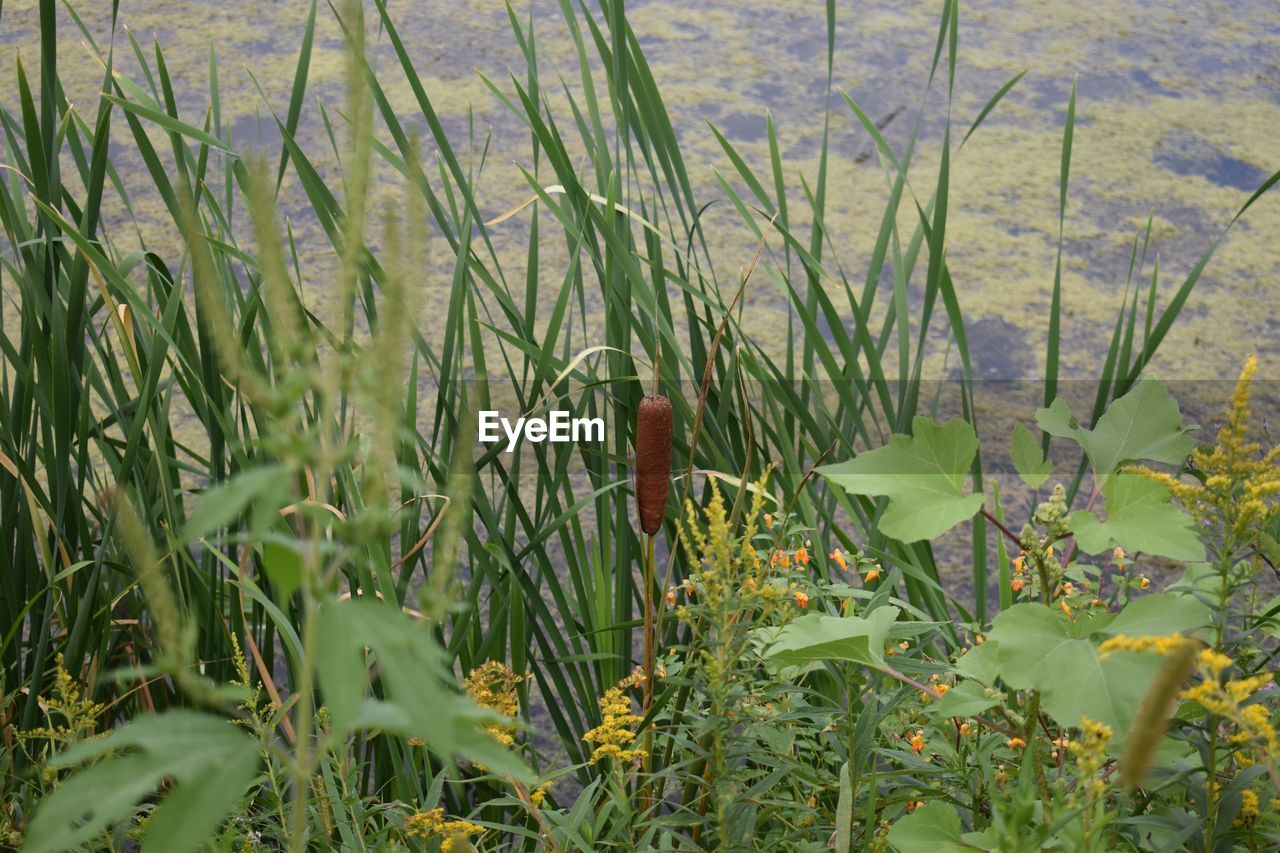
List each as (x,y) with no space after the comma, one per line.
(1029,459)
(1143,424)
(922,475)
(319,558)
(1140,518)
(204,763)
(815,637)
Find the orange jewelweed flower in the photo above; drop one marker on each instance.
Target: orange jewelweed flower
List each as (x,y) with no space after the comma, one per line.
(874,574)
(917,742)
(838,556)
(802,557)
(1016,584)
(671,598)
(1117,555)
(1016,743)
(1144,582)
(768,519)
(801,598)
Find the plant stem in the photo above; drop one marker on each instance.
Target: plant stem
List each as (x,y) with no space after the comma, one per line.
(648,651)
(303,756)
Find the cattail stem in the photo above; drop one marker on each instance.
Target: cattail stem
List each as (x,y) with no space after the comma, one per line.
(649,642)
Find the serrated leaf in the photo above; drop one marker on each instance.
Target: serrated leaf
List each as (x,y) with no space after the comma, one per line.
(1028,458)
(922,474)
(1140,517)
(205,761)
(223,503)
(420,699)
(815,637)
(933,827)
(1144,424)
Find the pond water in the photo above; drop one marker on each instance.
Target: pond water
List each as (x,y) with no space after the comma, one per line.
(1178,118)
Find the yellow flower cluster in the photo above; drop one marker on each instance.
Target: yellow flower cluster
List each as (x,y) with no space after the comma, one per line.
(613,737)
(1160,645)
(1090,751)
(1241,485)
(493,685)
(78,715)
(1248,815)
(453,834)
(1230,700)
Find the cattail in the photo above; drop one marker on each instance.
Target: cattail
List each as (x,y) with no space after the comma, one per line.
(653,460)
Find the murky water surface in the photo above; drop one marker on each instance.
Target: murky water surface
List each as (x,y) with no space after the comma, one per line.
(1179,118)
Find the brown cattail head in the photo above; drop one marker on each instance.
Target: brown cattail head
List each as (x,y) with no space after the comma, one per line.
(653,460)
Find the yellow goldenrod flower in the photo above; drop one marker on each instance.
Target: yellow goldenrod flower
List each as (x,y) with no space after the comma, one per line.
(433,825)
(613,737)
(1159,644)
(1240,486)
(1248,815)
(493,685)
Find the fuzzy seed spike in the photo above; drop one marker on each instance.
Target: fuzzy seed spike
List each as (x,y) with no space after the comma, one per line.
(653,461)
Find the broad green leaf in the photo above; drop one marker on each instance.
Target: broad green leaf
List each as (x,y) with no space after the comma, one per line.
(204,763)
(1028,458)
(1037,651)
(1159,614)
(1140,517)
(1143,424)
(932,828)
(923,475)
(283,565)
(223,504)
(964,700)
(980,663)
(421,699)
(816,637)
